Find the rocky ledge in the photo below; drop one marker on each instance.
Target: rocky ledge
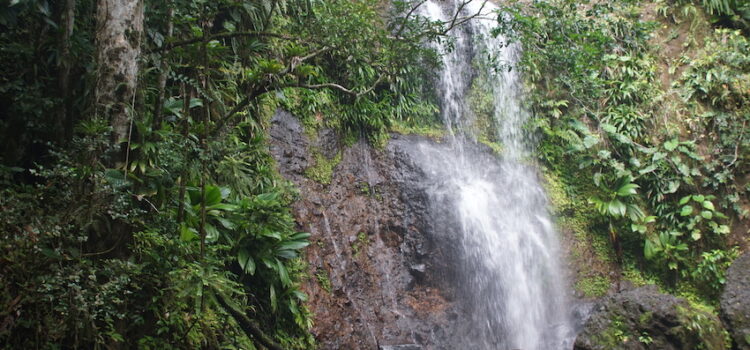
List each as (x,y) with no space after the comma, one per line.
(735,302)
(645,318)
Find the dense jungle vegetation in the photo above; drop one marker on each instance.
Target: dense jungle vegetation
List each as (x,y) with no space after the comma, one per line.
(139,205)
(642,110)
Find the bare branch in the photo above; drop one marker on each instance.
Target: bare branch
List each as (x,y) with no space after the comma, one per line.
(406,18)
(454,22)
(343,89)
(458,21)
(458,12)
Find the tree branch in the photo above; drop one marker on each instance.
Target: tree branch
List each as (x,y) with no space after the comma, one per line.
(343,89)
(406,18)
(264,87)
(456,21)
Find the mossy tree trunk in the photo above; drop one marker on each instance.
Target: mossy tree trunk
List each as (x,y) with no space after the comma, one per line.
(118,47)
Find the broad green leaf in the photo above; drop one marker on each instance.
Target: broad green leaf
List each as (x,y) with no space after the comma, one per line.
(708,205)
(187,234)
(212,234)
(707,214)
(686,210)
(673,187)
(299,295)
(695,235)
(684,169)
(246,261)
(283,274)
(225,192)
(268,262)
(213,195)
(272,234)
(589,141)
(286,254)
(294,245)
(649,250)
(267,196)
(223,206)
(647,169)
(627,190)
(699,198)
(722,229)
(671,144)
(227,224)
(598,179)
(684,200)
(608,128)
(273,299)
(634,212)
(616,208)
(299,235)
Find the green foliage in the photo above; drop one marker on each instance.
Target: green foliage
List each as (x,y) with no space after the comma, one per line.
(701,321)
(155,242)
(593,287)
(323,280)
(322,170)
(615,203)
(615,334)
(360,243)
(736,12)
(716,85)
(712,267)
(596,99)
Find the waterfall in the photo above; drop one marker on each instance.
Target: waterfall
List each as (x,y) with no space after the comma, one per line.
(511,279)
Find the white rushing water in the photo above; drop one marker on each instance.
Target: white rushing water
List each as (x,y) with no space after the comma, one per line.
(512,280)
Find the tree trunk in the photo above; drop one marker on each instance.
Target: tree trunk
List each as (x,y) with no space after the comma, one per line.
(164,70)
(118,39)
(67,22)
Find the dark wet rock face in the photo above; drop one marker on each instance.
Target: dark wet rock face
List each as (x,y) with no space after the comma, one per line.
(379,267)
(735,302)
(644,318)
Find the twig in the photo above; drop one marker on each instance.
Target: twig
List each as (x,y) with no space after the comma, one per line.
(406,18)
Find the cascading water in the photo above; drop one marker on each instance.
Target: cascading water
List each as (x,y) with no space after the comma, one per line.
(512,281)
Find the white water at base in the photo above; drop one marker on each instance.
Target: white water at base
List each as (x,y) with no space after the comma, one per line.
(512,281)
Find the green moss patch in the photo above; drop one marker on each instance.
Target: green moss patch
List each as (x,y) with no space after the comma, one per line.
(322,170)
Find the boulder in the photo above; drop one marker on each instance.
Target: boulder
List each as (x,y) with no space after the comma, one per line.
(645,318)
(735,302)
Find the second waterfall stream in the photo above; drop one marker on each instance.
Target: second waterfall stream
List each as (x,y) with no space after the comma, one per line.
(512,281)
